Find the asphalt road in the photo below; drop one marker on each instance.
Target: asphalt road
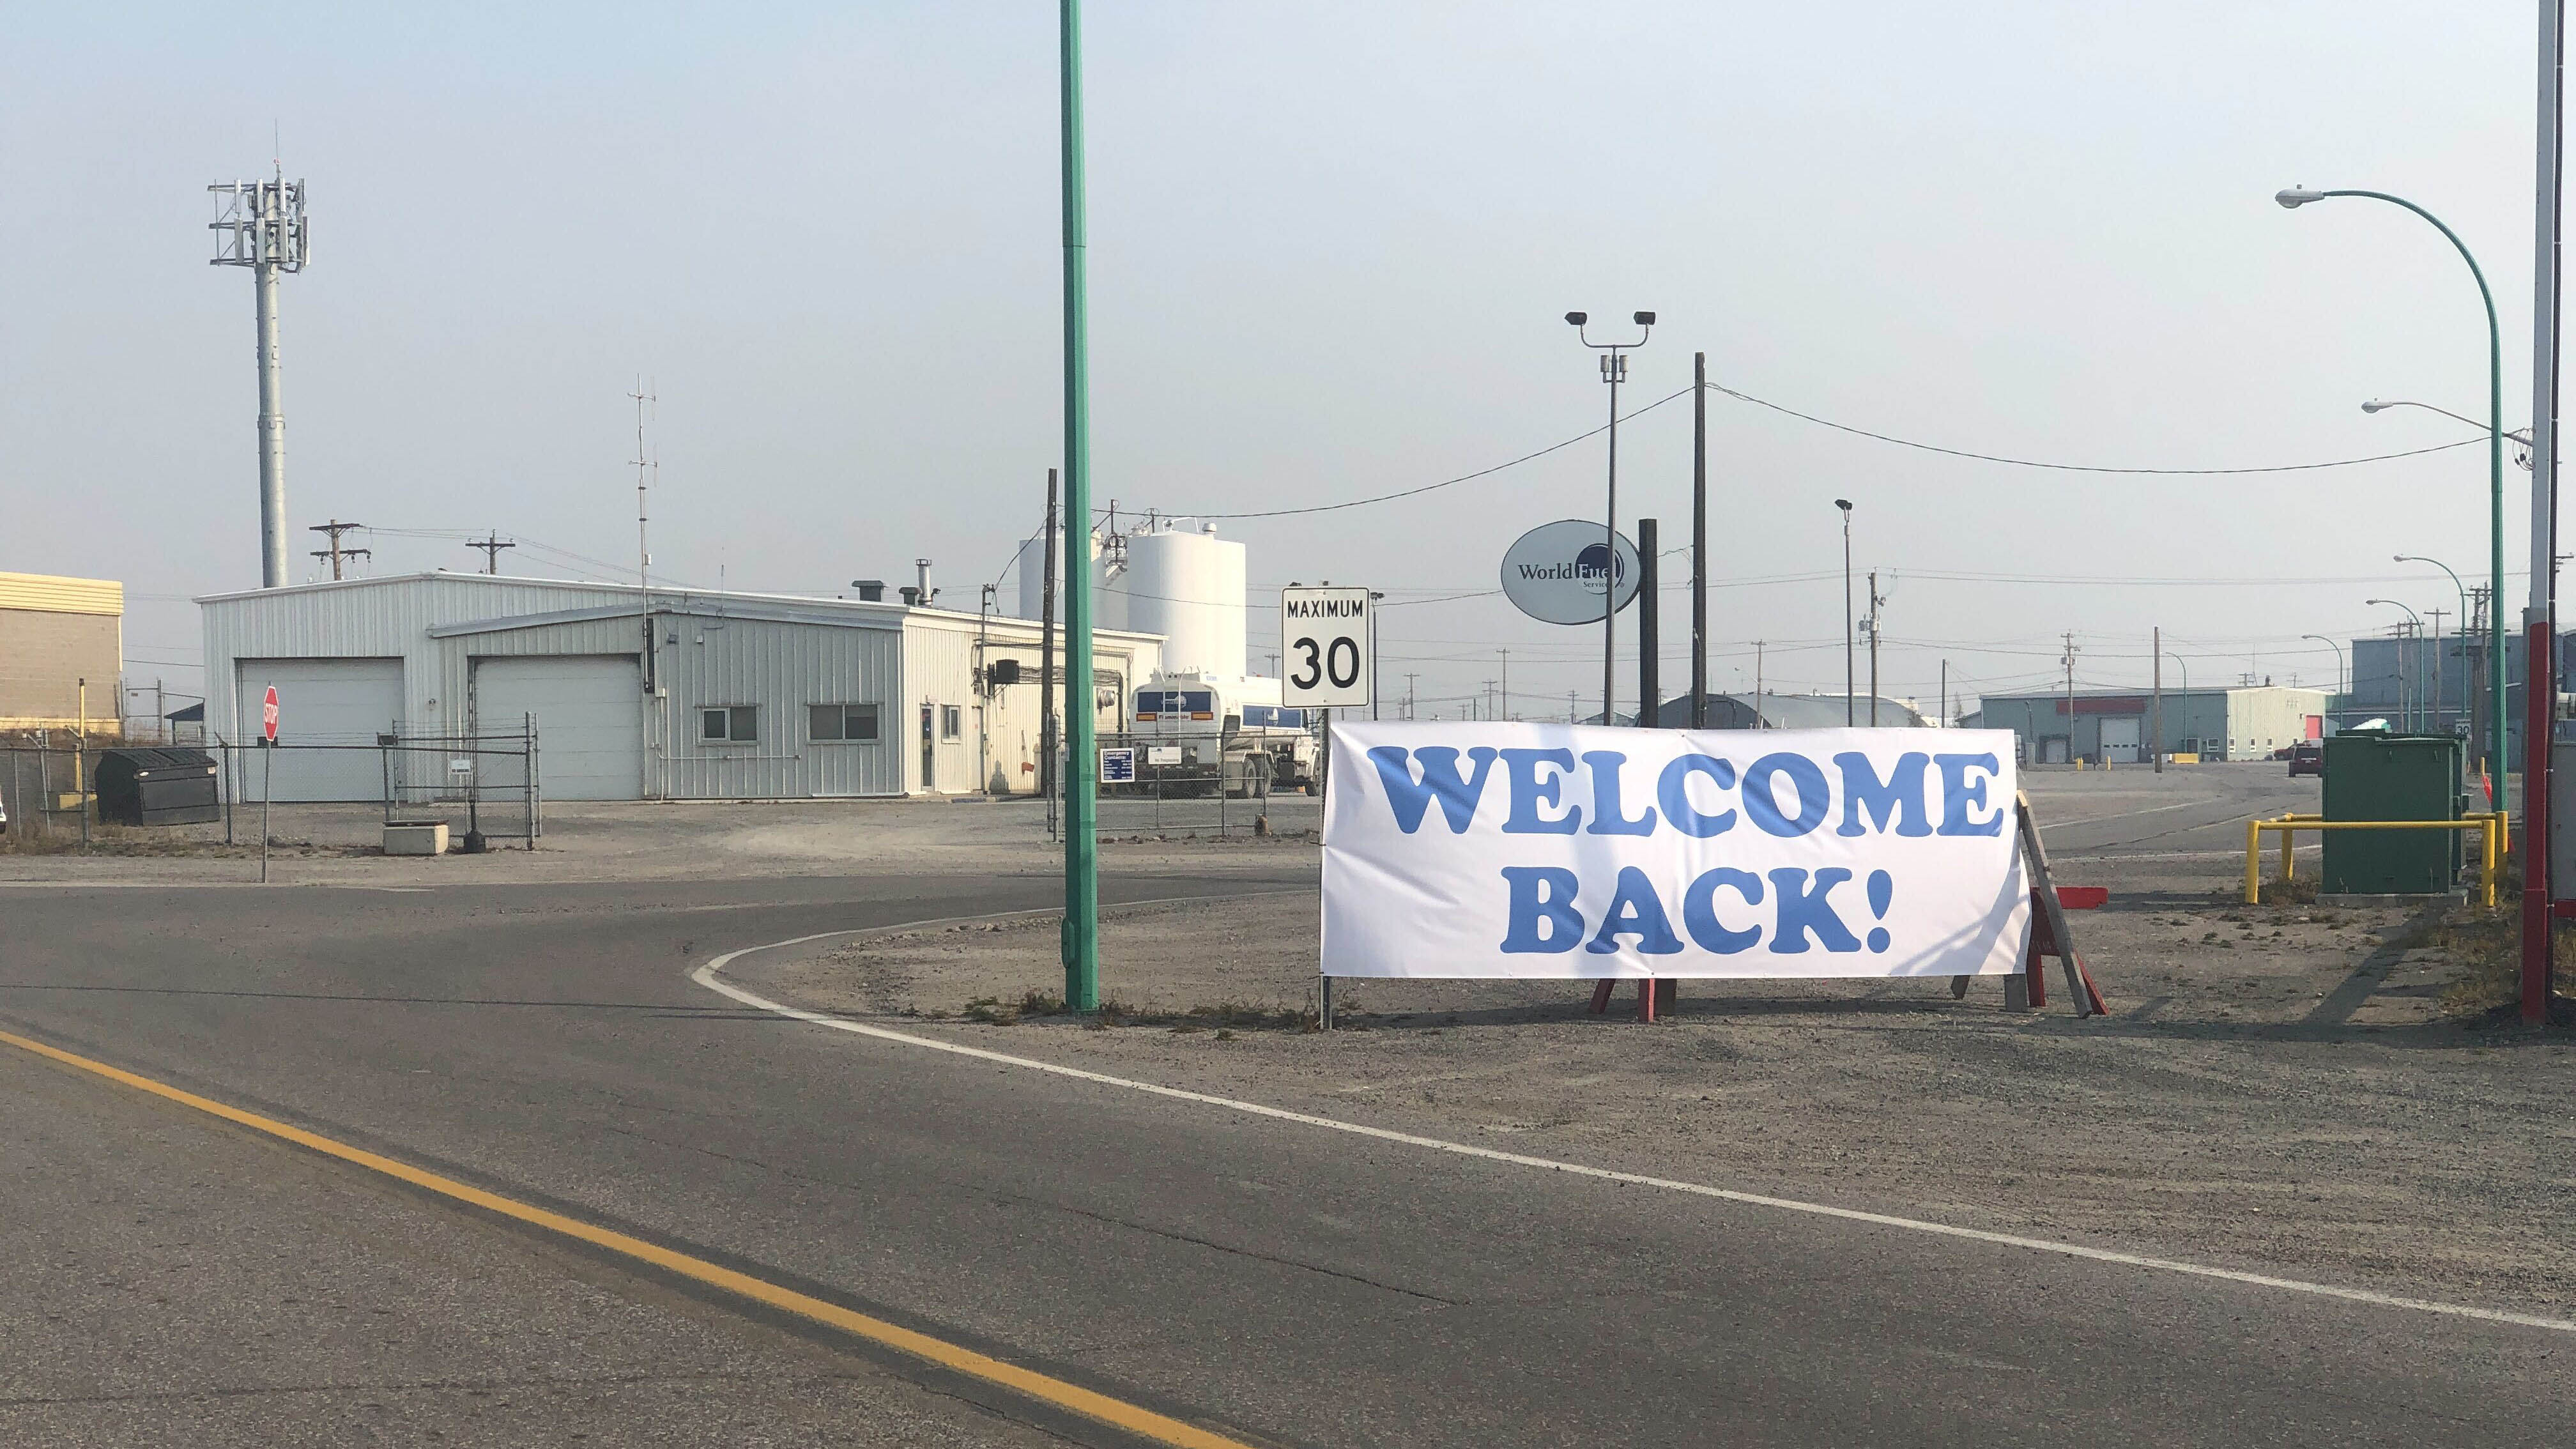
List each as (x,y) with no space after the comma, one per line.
(191,1283)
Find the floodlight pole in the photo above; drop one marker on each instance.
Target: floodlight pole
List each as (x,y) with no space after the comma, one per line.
(1081,946)
(1614,371)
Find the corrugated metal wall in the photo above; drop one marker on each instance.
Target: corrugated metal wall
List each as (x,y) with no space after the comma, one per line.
(705,658)
(377,618)
(781,669)
(54,594)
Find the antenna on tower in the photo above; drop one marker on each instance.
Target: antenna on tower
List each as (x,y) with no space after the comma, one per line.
(260,225)
(647,469)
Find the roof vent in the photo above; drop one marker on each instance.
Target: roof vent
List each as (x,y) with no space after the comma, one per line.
(871,591)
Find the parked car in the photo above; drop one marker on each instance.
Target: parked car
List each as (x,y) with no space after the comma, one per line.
(2308,758)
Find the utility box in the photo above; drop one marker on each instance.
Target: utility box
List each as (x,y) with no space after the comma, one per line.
(2374,775)
(415,837)
(156,787)
(2562,820)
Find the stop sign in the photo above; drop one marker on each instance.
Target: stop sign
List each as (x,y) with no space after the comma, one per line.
(268,716)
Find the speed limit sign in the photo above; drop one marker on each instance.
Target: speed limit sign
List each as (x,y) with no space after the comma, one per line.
(1326,648)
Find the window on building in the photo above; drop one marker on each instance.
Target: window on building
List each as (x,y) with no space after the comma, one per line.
(851,723)
(737,723)
(952,721)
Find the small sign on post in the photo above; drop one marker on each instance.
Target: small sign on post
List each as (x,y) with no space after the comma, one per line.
(267,772)
(1326,648)
(1118,766)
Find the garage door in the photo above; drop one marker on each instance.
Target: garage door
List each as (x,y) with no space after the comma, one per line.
(329,712)
(590,730)
(2120,743)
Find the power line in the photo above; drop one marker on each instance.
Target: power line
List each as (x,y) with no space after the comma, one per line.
(1445,482)
(2077,467)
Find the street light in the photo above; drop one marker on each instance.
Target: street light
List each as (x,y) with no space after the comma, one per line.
(1614,371)
(2401,656)
(1849,719)
(2343,681)
(2381,405)
(2469,703)
(2298,196)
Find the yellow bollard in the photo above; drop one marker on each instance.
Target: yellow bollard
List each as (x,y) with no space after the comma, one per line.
(2253,862)
(2288,833)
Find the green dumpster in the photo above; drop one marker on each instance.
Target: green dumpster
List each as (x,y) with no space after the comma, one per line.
(2375,775)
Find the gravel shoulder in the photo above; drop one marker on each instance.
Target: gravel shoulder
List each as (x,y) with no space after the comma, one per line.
(2277,1088)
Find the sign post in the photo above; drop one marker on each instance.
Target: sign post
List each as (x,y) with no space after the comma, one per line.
(267,772)
(1327,661)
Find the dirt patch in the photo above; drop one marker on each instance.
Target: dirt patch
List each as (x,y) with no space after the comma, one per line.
(2278,1087)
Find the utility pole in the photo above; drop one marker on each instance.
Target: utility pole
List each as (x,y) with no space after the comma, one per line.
(1082,840)
(335,553)
(491,545)
(1506,712)
(1650,686)
(1945,694)
(2069,662)
(1699,541)
(1408,695)
(1046,658)
(1760,721)
(2157,746)
(260,225)
(2438,727)
(1848,718)
(1874,602)
(2540,616)
(1569,708)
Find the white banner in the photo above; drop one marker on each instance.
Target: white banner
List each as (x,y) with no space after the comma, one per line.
(1536,850)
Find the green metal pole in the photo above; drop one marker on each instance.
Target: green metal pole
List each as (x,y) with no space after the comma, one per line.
(1082,767)
(2498,760)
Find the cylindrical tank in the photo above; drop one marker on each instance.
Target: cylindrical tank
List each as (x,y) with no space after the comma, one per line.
(1109,609)
(1187,587)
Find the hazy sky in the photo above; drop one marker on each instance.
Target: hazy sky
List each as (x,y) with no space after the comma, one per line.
(1331,245)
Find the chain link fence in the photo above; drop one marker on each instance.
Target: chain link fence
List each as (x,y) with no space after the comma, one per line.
(335,793)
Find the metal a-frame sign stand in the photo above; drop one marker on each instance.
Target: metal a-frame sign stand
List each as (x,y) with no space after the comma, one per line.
(2049,933)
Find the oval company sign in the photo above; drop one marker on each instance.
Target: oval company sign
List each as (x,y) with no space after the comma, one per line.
(1555,572)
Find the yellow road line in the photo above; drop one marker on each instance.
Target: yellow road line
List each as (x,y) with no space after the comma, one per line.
(1144,1423)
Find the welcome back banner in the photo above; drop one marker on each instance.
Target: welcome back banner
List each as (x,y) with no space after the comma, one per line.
(1532,850)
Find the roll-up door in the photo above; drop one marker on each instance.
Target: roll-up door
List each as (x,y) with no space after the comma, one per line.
(590,723)
(329,712)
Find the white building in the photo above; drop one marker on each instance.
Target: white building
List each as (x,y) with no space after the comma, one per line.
(732,696)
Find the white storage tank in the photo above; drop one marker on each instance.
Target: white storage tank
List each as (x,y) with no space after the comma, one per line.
(1186,585)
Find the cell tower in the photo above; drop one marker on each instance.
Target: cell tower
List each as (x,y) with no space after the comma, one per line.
(260,225)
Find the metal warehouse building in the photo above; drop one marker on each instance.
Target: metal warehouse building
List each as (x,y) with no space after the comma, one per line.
(2242,723)
(731,696)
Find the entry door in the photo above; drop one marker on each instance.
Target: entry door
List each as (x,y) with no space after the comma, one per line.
(2120,740)
(929,747)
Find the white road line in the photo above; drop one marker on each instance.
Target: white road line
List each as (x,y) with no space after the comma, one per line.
(2133,814)
(709,976)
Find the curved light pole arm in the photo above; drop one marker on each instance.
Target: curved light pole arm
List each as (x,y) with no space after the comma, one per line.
(2495,470)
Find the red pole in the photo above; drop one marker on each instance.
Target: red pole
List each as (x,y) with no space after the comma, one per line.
(2540,692)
